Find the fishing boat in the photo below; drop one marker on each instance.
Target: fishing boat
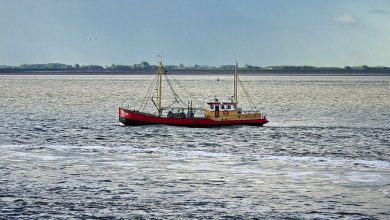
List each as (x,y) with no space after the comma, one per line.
(217,113)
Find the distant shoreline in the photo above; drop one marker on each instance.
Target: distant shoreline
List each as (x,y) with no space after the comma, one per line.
(204,72)
(144,68)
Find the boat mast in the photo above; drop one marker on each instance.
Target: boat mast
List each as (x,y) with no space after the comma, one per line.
(235,96)
(159,94)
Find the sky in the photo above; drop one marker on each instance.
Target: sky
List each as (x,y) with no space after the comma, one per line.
(204,32)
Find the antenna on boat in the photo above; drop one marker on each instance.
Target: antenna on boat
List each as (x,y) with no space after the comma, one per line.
(160,55)
(235,93)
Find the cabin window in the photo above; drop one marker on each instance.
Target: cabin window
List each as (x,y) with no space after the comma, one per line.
(211,106)
(229,107)
(222,107)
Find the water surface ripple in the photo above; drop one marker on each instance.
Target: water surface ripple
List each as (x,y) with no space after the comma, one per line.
(325,153)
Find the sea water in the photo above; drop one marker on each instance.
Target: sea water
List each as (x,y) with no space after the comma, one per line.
(324,154)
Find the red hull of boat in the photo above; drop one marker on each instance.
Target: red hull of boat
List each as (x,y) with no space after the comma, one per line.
(134,118)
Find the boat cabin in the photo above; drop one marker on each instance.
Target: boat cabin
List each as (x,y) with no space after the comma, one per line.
(222,109)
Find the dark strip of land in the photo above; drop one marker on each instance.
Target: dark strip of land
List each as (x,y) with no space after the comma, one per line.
(202,72)
(145,68)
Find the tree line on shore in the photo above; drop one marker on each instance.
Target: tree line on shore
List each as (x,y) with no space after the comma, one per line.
(59,67)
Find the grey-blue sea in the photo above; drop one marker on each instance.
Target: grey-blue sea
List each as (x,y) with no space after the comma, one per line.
(325,153)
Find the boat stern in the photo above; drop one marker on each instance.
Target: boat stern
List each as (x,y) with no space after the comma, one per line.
(133,118)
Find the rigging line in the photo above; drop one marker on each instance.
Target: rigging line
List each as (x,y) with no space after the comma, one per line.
(148,93)
(171,104)
(185,91)
(170,85)
(246,93)
(174,93)
(154,89)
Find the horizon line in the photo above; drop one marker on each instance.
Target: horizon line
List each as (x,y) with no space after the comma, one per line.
(193,65)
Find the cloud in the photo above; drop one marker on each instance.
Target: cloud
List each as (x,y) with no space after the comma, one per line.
(379,11)
(346,19)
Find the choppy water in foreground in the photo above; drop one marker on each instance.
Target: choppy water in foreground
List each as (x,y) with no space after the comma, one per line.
(324,154)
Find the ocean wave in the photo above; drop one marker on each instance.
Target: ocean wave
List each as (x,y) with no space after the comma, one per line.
(53,152)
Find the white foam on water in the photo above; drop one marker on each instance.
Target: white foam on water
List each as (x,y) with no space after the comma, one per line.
(250,171)
(375,163)
(364,177)
(16,150)
(299,175)
(119,163)
(49,157)
(12,147)
(207,154)
(329,162)
(75,148)
(39,156)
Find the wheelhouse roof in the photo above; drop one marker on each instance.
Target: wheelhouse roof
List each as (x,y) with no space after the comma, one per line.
(222,103)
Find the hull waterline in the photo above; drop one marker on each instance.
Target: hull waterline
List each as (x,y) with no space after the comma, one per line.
(134,118)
